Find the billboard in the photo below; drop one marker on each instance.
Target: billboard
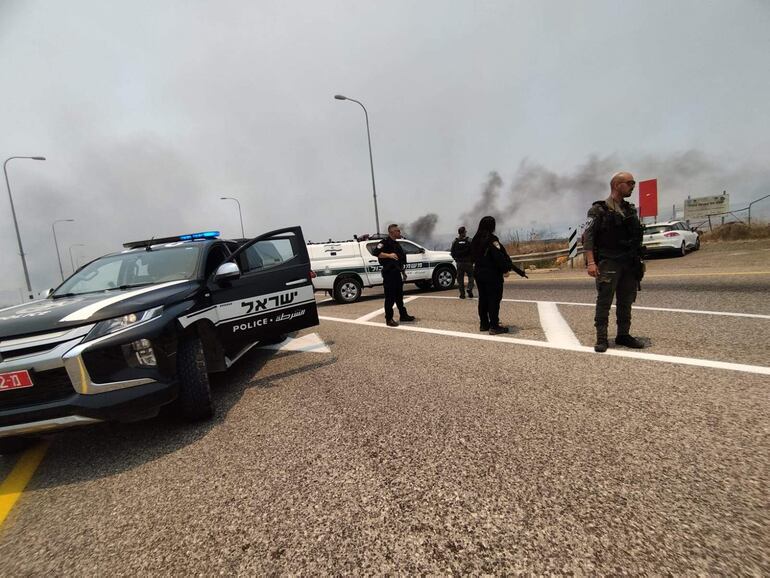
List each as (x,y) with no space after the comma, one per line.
(648,198)
(702,207)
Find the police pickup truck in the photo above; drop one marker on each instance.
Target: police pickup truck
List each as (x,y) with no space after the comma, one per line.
(133,331)
(344,268)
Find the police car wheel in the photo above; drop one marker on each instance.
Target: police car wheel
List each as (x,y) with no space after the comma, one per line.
(683,250)
(697,244)
(443,278)
(347,290)
(14,445)
(194,391)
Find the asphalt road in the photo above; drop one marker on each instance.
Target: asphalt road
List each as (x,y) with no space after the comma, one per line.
(438,449)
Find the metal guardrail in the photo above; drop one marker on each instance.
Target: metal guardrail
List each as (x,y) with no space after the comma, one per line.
(526,257)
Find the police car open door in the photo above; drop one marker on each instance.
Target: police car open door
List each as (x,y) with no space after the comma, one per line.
(273,294)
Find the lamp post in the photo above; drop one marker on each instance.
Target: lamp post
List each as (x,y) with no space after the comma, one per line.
(56,243)
(240,215)
(371,161)
(72,261)
(16,224)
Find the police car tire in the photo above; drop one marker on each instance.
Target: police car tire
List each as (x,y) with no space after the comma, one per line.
(15,445)
(682,250)
(697,244)
(440,276)
(423,284)
(347,290)
(194,389)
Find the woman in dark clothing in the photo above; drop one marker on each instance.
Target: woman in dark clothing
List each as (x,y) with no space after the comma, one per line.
(491,265)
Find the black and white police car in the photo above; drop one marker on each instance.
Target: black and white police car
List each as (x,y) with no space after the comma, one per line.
(133,331)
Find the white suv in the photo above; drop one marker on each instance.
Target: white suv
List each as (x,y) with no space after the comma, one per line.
(671,236)
(344,268)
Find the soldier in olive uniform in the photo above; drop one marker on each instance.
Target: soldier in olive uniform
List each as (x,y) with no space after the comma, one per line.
(613,247)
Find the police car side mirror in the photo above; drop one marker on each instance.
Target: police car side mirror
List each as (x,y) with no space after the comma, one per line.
(47,293)
(422,249)
(227,272)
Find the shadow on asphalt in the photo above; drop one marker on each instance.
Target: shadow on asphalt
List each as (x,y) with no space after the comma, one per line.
(107,449)
(379,296)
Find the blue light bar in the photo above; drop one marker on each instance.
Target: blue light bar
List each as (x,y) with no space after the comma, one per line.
(202,235)
(161,241)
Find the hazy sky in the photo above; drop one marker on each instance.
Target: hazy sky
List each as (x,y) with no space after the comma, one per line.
(148,112)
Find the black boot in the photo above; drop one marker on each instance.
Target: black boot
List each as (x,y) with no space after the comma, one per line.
(406,318)
(495,329)
(629,341)
(601,340)
(391,323)
(601,345)
(470,294)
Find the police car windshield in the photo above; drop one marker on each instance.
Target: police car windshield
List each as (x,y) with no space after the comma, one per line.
(133,268)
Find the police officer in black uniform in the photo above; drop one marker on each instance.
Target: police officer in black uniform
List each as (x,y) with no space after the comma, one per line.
(491,264)
(613,247)
(393,260)
(461,253)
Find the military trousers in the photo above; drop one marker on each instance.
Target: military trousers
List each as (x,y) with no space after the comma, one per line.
(464,269)
(616,280)
(393,284)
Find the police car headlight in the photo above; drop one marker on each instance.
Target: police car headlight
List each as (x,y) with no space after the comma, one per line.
(119,323)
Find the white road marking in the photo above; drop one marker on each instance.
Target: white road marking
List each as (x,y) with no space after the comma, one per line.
(87,311)
(556,328)
(666,309)
(310,343)
(381,311)
(755,369)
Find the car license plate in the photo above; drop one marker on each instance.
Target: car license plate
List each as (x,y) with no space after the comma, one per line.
(15,380)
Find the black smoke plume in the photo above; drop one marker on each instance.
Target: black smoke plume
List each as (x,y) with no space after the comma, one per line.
(422,229)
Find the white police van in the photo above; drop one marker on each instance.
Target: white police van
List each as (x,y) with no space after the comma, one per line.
(344,268)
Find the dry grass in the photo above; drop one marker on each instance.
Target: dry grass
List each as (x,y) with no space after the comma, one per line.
(524,247)
(527,247)
(737,231)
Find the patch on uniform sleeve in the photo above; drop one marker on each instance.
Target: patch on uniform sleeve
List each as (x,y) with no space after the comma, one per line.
(589,222)
(496,244)
(379,245)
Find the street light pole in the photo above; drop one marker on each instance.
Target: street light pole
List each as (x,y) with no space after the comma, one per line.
(56,243)
(240,215)
(16,224)
(72,261)
(371,161)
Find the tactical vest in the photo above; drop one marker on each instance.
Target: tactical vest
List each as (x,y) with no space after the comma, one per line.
(615,232)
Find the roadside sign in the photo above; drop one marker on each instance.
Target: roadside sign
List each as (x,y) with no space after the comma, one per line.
(648,198)
(706,206)
(573,239)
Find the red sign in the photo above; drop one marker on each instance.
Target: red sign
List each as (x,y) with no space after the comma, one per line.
(15,380)
(648,198)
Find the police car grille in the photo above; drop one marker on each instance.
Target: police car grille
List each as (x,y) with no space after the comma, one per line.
(31,350)
(48,386)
